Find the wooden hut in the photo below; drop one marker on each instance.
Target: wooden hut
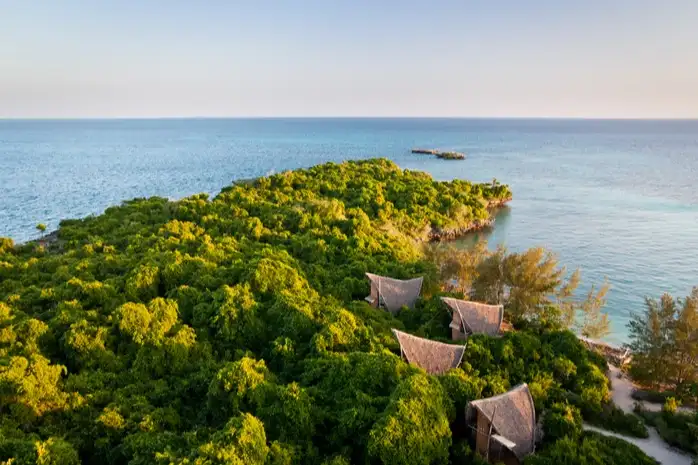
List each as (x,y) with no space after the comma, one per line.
(393,294)
(474,317)
(434,357)
(504,425)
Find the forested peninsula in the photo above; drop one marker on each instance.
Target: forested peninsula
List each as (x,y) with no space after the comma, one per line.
(234,330)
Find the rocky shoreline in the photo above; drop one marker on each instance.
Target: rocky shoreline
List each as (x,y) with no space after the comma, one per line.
(616,356)
(451,234)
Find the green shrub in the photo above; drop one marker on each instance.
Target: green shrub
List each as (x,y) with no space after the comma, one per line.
(415,426)
(593,448)
(678,429)
(615,419)
(671,405)
(562,420)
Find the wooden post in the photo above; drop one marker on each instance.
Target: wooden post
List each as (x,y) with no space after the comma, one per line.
(489,434)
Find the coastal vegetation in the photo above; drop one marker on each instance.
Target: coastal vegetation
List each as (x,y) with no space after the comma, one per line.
(664,343)
(233,330)
(41,227)
(532,286)
(591,448)
(678,428)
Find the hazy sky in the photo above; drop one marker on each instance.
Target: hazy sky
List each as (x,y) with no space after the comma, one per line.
(587,58)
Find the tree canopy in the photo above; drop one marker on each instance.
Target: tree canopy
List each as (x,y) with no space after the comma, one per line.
(233,330)
(664,341)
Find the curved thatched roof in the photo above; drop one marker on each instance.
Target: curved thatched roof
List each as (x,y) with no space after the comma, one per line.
(477,317)
(434,357)
(395,293)
(514,418)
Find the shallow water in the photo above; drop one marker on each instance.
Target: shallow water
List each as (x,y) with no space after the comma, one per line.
(614,198)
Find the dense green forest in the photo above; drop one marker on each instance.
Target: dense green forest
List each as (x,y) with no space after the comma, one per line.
(233,330)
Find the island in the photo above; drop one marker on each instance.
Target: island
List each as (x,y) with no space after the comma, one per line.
(444,154)
(235,329)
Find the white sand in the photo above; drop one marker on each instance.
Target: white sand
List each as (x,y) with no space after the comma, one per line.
(622,393)
(654,446)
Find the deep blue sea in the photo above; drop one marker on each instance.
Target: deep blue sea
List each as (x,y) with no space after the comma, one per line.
(617,199)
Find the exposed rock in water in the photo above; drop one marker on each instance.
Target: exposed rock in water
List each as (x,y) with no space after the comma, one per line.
(447,155)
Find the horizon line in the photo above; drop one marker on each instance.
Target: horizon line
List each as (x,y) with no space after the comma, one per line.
(337,117)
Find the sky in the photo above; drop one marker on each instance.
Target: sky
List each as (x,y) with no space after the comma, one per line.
(258,58)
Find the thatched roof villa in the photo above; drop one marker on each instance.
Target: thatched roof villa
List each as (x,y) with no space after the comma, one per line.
(434,357)
(505,426)
(393,294)
(474,317)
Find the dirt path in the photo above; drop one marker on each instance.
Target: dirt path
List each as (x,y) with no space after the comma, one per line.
(622,390)
(654,446)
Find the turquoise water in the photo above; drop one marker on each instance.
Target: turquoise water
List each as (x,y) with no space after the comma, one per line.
(617,199)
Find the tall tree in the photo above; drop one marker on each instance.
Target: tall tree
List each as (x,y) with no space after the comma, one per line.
(686,345)
(457,267)
(594,323)
(650,340)
(664,341)
(530,284)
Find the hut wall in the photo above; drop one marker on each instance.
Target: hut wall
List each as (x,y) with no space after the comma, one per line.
(374,295)
(500,454)
(483,429)
(457,334)
(497,453)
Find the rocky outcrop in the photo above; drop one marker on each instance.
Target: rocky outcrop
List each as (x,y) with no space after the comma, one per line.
(448,155)
(449,234)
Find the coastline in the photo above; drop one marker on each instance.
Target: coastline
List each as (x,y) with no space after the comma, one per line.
(453,234)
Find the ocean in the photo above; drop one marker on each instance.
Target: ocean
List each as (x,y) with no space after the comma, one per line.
(616,199)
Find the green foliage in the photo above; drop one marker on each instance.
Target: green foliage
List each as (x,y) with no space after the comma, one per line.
(664,341)
(241,441)
(613,418)
(463,454)
(236,386)
(531,285)
(462,388)
(415,426)
(147,324)
(143,283)
(592,449)
(678,428)
(233,329)
(562,420)
(594,323)
(31,387)
(53,451)
(671,405)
